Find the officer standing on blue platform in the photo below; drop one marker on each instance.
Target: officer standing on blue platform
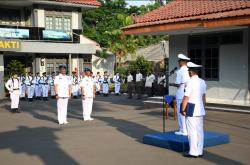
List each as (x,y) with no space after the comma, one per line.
(193,108)
(182,78)
(63,92)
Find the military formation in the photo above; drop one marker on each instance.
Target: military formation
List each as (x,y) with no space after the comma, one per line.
(190,96)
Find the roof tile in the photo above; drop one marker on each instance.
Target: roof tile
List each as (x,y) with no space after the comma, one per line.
(82,2)
(183,10)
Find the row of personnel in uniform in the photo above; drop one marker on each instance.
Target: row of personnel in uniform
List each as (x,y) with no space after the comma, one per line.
(62,90)
(190,99)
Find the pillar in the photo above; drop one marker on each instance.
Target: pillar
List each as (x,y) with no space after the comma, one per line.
(70,64)
(2,91)
(248,63)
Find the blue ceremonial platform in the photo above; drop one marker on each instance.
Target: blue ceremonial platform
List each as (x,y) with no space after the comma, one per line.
(179,143)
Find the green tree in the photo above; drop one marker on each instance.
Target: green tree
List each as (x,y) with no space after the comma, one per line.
(14,66)
(142,64)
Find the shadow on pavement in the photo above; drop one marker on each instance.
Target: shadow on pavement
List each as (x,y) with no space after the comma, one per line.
(217,159)
(131,129)
(39,142)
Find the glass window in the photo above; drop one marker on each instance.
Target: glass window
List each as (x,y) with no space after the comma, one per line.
(49,22)
(10,16)
(67,24)
(58,22)
(232,38)
(211,63)
(50,68)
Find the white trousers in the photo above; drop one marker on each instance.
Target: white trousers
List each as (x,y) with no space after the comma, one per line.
(62,108)
(23,90)
(14,97)
(52,91)
(38,91)
(87,105)
(181,118)
(45,90)
(75,90)
(105,88)
(97,87)
(30,91)
(117,87)
(195,135)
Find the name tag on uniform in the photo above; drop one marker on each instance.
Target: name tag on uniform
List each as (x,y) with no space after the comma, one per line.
(189,109)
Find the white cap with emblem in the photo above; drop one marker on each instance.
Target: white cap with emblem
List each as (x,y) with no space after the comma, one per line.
(183,57)
(193,65)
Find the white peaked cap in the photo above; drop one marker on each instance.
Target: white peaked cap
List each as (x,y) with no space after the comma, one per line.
(183,57)
(193,65)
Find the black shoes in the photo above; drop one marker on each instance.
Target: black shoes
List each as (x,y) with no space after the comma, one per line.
(192,156)
(15,110)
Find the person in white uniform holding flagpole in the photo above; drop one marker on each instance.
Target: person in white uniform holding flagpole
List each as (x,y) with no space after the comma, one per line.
(63,92)
(14,87)
(88,94)
(182,78)
(193,108)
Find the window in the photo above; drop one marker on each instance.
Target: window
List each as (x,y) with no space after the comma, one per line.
(206,53)
(67,24)
(50,68)
(211,63)
(49,22)
(232,38)
(10,17)
(58,22)
(87,60)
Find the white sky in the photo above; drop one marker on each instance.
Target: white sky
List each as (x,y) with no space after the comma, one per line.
(139,2)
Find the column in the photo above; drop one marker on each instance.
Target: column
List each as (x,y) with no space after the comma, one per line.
(2,91)
(248,40)
(70,64)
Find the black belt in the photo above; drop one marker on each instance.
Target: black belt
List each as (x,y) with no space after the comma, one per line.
(16,89)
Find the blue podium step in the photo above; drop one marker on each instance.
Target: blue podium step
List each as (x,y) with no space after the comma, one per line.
(179,143)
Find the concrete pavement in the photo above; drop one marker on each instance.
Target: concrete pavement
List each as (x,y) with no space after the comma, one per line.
(114,137)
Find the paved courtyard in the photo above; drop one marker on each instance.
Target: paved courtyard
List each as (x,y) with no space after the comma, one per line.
(113,138)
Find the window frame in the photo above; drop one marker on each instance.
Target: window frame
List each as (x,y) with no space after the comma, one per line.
(203,46)
(63,16)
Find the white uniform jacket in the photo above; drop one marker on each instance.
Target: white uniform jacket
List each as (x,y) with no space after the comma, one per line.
(195,90)
(182,78)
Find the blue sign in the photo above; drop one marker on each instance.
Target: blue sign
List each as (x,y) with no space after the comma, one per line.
(14,33)
(54,34)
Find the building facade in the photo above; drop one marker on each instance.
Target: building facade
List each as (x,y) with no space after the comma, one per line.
(47,33)
(214,34)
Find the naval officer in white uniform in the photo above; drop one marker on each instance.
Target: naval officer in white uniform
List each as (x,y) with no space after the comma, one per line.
(117,81)
(182,77)
(194,95)
(88,94)
(14,87)
(30,83)
(63,92)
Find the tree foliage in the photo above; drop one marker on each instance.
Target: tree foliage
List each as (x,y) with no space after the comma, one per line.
(142,64)
(15,66)
(103,25)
